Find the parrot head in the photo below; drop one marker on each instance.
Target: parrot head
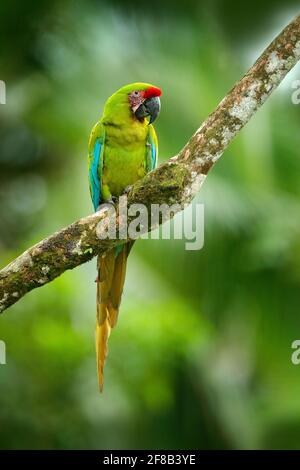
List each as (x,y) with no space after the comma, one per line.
(140,99)
(145,102)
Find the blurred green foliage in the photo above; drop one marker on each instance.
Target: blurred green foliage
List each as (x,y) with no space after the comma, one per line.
(201,354)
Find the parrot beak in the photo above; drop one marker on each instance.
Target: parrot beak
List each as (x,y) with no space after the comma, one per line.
(150,107)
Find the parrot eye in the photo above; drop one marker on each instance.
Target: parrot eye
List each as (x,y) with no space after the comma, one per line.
(136,93)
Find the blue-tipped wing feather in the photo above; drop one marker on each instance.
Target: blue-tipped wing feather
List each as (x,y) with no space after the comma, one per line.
(96,151)
(152,150)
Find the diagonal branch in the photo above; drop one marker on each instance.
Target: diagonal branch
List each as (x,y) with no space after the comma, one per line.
(174,182)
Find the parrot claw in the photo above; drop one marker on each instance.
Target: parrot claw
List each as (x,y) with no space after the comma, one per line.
(111,201)
(127,189)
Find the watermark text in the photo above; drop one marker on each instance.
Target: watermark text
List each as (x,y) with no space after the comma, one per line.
(2,353)
(138,220)
(2,92)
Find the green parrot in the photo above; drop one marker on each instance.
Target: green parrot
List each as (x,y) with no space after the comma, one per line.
(122,149)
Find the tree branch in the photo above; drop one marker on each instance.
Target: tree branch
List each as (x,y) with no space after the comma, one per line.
(174,182)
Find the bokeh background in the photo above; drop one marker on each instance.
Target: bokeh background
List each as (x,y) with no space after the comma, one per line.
(201,357)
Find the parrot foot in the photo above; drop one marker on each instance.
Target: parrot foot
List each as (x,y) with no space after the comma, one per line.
(127,189)
(111,201)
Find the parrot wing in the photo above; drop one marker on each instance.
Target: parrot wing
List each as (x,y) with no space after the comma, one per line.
(152,149)
(95,162)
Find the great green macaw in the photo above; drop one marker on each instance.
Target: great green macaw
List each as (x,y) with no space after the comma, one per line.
(122,149)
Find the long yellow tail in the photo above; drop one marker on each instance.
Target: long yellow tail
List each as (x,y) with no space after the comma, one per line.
(110,282)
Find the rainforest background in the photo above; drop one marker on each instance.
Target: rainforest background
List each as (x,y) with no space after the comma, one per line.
(201,357)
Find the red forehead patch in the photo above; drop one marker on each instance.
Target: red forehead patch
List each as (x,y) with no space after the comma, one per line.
(151,92)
